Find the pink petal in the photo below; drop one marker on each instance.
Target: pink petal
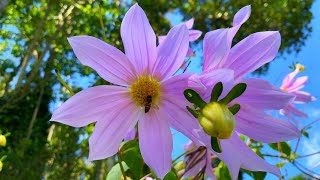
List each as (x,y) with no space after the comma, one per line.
(303,97)
(196,84)
(209,168)
(242,15)
(175,85)
(180,118)
(189,53)
(156,142)
(194,35)
(292,110)
(139,39)
(210,79)
(110,131)
(236,154)
(288,80)
(189,23)
(299,83)
(131,135)
(253,52)
(161,39)
(172,52)
(215,48)
(109,62)
(262,95)
(195,169)
(90,105)
(262,127)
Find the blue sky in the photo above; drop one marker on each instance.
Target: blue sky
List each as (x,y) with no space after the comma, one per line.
(278,69)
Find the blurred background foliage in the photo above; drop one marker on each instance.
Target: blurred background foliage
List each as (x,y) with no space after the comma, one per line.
(33,42)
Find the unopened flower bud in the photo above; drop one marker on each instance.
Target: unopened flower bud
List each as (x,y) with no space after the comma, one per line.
(300,67)
(217,120)
(3,140)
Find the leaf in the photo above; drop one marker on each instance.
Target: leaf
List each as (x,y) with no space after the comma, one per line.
(171,176)
(216,92)
(222,172)
(115,172)
(305,134)
(284,147)
(132,156)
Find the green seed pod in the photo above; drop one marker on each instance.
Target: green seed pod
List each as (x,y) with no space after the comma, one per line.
(3,140)
(217,120)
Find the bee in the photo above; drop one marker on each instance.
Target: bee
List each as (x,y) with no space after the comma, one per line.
(147,106)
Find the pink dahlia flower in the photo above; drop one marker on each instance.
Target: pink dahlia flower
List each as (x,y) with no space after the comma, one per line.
(292,85)
(229,65)
(144,91)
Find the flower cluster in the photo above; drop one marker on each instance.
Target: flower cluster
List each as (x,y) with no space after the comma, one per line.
(147,91)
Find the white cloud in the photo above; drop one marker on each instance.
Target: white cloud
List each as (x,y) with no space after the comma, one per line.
(309,146)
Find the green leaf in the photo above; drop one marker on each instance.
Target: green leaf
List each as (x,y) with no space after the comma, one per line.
(284,148)
(306,134)
(132,156)
(171,176)
(216,92)
(234,109)
(222,172)
(235,92)
(215,144)
(193,112)
(115,172)
(193,97)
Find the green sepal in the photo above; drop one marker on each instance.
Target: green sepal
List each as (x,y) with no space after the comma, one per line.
(216,92)
(215,144)
(235,92)
(193,97)
(193,112)
(234,109)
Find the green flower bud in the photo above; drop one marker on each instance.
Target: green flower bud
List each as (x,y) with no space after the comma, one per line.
(217,120)
(3,140)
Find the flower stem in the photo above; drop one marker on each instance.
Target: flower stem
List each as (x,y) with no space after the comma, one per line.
(186,152)
(63,82)
(102,25)
(121,167)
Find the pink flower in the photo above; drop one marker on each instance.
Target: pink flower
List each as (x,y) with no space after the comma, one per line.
(193,35)
(143,79)
(229,65)
(293,86)
(198,161)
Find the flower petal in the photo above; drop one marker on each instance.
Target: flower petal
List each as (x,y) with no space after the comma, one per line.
(292,110)
(253,52)
(110,131)
(209,168)
(90,105)
(180,118)
(210,79)
(303,97)
(260,94)
(215,48)
(262,127)
(109,62)
(236,154)
(299,83)
(194,35)
(175,85)
(288,80)
(139,39)
(189,23)
(172,52)
(155,142)
(242,15)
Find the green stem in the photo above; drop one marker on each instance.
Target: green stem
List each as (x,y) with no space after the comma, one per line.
(63,82)
(102,25)
(121,167)
(188,151)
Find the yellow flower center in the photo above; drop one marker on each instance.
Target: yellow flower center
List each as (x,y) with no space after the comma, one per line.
(300,67)
(284,89)
(146,91)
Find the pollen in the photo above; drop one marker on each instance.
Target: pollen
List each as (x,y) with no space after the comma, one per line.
(143,87)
